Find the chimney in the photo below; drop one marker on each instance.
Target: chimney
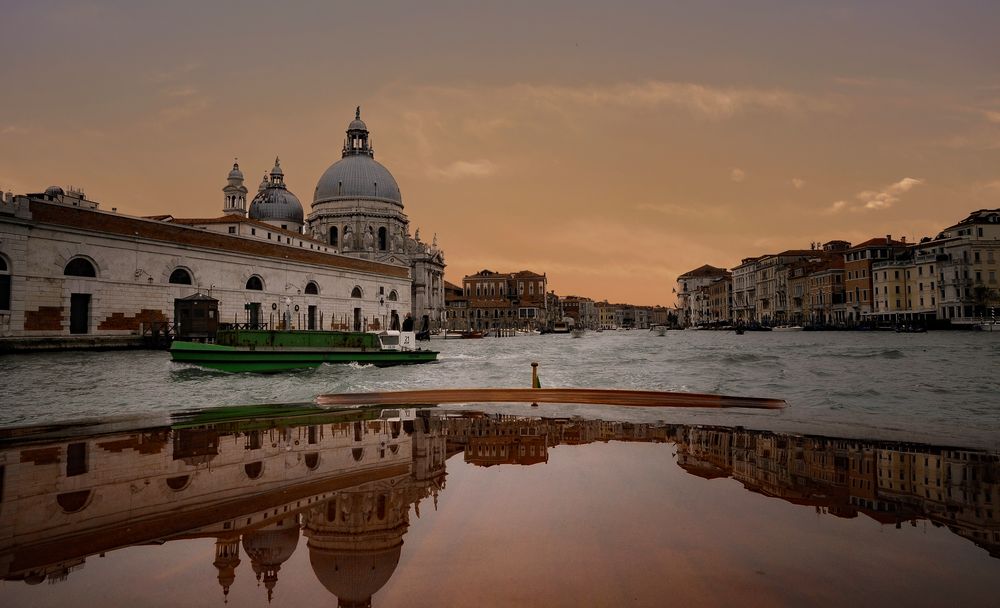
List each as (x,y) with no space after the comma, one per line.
(888,239)
(902,239)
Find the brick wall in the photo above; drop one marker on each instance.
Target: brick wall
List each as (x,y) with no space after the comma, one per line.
(46,318)
(118,320)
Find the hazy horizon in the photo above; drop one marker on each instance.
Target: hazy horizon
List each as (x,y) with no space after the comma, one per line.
(611,147)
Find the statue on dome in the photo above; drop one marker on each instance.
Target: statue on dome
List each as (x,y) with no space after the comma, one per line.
(369,240)
(347,238)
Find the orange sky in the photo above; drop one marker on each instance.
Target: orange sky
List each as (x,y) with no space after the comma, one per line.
(611,147)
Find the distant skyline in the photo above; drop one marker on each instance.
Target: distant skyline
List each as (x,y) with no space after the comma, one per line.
(611,146)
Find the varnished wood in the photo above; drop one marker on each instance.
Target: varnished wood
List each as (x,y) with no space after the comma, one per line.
(549,395)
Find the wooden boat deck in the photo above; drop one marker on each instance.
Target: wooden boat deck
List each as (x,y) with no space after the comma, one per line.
(550,395)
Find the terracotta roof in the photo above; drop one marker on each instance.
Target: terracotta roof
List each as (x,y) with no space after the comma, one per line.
(878,242)
(703,271)
(170,232)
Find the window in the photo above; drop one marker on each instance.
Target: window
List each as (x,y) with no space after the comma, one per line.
(356,292)
(333,236)
(180,276)
(232,230)
(253,232)
(80,267)
(383,239)
(312,289)
(255,283)
(4,284)
(393,296)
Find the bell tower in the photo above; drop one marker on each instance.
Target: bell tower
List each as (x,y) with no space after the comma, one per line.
(236,193)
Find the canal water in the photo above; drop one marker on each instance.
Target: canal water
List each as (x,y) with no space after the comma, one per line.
(941,387)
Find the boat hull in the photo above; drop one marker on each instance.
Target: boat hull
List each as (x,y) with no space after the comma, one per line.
(268,360)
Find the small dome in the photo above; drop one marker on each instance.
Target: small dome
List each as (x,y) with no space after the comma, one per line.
(357,124)
(276,204)
(54,191)
(357,177)
(276,171)
(273,545)
(236,173)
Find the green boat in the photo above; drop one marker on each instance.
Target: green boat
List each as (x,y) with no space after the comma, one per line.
(269,351)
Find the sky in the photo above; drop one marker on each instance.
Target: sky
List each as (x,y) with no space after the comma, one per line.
(612,146)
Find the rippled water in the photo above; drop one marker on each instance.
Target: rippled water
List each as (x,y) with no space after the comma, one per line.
(940,386)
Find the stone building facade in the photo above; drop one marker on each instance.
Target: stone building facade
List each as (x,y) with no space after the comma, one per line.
(75,270)
(495,300)
(69,268)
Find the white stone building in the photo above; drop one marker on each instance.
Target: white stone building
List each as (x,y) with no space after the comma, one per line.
(69,268)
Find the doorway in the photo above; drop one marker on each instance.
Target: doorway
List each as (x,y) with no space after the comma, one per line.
(79,313)
(357,319)
(311,318)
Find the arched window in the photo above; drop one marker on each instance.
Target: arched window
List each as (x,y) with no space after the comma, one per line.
(357,454)
(255,283)
(178,483)
(312,289)
(393,296)
(356,292)
(382,239)
(71,502)
(80,267)
(333,236)
(312,460)
(254,469)
(4,284)
(180,276)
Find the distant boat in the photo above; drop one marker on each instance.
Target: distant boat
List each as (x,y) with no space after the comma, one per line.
(739,331)
(659,330)
(577,332)
(560,327)
(448,334)
(471,335)
(787,328)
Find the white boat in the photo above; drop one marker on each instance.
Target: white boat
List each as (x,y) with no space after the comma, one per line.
(659,330)
(446,334)
(787,328)
(577,332)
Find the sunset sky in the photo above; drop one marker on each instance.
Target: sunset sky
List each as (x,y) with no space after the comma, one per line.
(610,145)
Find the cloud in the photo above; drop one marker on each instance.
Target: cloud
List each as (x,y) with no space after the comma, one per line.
(461,169)
(992,116)
(877,200)
(888,196)
(692,211)
(13,130)
(716,103)
(797,183)
(836,207)
(737,175)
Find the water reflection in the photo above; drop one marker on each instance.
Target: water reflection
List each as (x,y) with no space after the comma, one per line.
(349,481)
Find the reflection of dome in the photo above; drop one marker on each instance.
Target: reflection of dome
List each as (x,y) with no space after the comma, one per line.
(270,547)
(354,576)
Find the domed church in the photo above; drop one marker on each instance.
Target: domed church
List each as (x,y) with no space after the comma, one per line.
(358,209)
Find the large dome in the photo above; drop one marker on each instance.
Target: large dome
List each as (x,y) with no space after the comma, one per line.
(357,177)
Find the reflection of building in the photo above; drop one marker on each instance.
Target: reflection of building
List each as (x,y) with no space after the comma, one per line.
(348,483)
